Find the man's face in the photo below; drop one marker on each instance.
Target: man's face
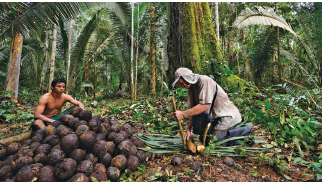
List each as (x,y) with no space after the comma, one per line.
(59,88)
(184,83)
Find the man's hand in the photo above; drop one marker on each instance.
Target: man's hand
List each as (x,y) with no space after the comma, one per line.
(179,115)
(187,134)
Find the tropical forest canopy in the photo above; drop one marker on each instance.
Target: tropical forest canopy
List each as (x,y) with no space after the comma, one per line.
(267,57)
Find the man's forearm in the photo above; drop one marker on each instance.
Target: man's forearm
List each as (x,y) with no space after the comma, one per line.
(199,108)
(44,118)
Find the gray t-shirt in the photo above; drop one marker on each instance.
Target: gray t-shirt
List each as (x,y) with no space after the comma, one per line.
(204,91)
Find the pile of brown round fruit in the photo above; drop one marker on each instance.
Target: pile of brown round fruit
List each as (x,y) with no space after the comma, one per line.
(75,148)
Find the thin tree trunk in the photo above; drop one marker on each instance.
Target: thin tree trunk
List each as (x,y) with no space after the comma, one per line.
(12,79)
(45,57)
(217,19)
(69,55)
(136,59)
(229,35)
(132,33)
(52,61)
(279,62)
(152,51)
(87,76)
(36,83)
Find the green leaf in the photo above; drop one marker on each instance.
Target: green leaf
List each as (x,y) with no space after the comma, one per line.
(150,171)
(287,177)
(297,160)
(254,173)
(267,105)
(94,179)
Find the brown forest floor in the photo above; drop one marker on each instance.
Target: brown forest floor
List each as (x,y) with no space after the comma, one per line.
(213,168)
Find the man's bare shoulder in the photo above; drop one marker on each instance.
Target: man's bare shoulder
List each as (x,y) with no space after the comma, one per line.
(45,97)
(66,96)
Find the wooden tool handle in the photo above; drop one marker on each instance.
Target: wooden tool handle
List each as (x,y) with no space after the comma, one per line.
(205,133)
(179,125)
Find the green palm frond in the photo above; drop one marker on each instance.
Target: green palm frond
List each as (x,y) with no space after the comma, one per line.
(65,40)
(79,49)
(267,16)
(160,143)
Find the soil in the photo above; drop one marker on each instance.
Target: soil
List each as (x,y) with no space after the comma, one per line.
(213,168)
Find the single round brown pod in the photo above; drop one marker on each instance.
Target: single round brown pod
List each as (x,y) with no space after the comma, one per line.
(86,167)
(79,177)
(13,148)
(105,120)
(8,160)
(28,173)
(99,175)
(63,130)
(55,156)
(85,115)
(78,155)
(113,173)
(82,129)
(26,142)
(118,139)
(100,148)
(37,138)
(40,158)
(25,151)
(39,131)
(138,143)
(131,131)
(141,156)
(56,147)
(128,140)
(91,157)
(75,111)
(93,125)
(116,128)
(20,162)
(119,161)
(34,146)
(104,128)
(79,123)
(125,134)
(111,136)
(100,167)
(125,127)
(52,140)
(46,174)
(106,159)
(132,163)
(124,148)
(88,139)
(72,122)
(100,136)
(133,138)
(133,150)
(110,147)
(69,142)
(63,118)
(113,122)
(43,148)
(5,172)
(64,169)
(97,117)
(56,124)
(49,130)
(3,152)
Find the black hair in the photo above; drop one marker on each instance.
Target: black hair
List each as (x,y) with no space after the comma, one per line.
(55,81)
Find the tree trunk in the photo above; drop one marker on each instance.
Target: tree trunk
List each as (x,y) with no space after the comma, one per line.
(229,35)
(131,66)
(52,61)
(87,77)
(45,57)
(152,51)
(136,59)
(12,79)
(192,40)
(279,62)
(217,18)
(69,55)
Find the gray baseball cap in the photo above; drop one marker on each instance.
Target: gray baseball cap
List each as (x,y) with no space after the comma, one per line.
(187,74)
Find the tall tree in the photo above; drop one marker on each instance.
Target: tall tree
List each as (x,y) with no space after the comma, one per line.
(136,57)
(217,18)
(192,40)
(52,61)
(152,51)
(45,57)
(69,55)
(12,80)
(132,62)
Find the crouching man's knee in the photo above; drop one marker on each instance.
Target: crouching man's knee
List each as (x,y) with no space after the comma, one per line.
(38,124)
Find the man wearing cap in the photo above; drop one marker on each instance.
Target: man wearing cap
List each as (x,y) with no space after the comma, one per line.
(201,90)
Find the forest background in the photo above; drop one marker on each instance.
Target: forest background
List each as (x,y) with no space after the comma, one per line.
(120,58)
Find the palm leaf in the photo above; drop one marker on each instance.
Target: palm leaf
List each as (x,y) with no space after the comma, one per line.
(65,40)
(267,16)
(79,49)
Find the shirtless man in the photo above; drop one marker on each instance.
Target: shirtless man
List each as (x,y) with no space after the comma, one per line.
(50,104)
